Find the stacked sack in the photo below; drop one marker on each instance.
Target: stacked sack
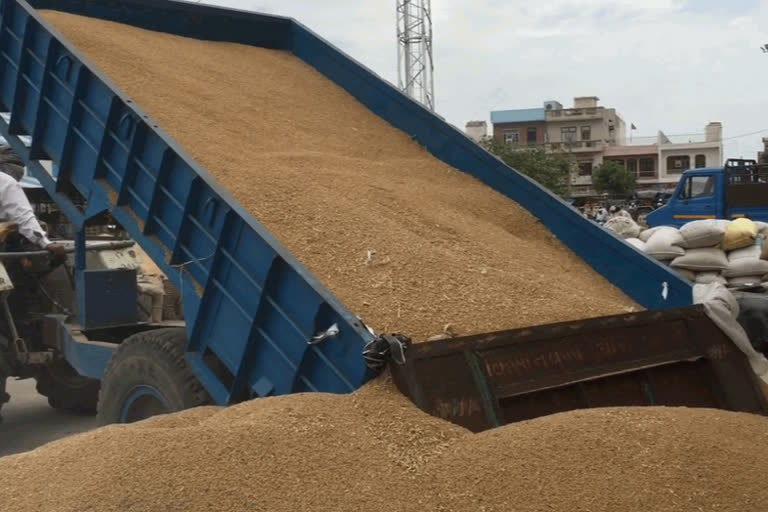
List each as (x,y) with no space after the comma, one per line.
(733,253)
(747,256)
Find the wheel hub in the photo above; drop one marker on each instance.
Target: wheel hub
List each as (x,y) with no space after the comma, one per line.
(143,402)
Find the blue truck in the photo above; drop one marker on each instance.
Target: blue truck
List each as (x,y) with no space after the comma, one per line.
(739,189)
(256,322)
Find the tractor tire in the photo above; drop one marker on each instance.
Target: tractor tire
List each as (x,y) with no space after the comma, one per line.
(148,375)
(66,389)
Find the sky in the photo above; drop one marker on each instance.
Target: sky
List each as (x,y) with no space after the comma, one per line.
(671,65)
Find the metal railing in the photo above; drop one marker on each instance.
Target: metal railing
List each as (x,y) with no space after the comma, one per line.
(573,112)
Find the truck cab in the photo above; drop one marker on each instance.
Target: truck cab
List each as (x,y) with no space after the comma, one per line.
(739,189)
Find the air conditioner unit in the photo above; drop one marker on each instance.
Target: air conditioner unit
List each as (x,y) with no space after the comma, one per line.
(552,105)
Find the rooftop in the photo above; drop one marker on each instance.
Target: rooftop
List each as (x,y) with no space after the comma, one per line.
(520,115)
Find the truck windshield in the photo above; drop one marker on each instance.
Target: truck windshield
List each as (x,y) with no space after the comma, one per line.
(697,186)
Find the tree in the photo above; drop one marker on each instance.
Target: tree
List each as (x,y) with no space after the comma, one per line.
(552,170)
(613,178)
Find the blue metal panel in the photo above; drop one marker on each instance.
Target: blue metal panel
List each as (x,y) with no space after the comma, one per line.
(89,358)
(248,302)
(109,298)
(520,115)
(189,19)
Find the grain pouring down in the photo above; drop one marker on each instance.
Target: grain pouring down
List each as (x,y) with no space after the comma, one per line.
(405,241)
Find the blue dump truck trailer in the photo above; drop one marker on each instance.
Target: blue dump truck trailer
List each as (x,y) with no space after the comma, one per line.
(256,322)
(739,189)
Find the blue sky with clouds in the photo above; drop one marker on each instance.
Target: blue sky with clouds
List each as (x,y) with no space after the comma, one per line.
(671,65)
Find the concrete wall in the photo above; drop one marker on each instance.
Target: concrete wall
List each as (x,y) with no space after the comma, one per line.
(598,129)
(522,130)
(476,131)
(599,123)
(713,132)
(712,154)
(585,101)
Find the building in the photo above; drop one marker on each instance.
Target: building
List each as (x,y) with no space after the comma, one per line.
(678,153)
(594,134)
(584,130)
(762,156)
(523,127)
(477,130)
(640,159)
(586,126)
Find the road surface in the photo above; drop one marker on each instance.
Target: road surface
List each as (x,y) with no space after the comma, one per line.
(28,420)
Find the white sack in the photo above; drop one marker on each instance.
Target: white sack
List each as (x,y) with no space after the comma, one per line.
(709,277)
(708,258)
(664,244)
(702,233)
(624,227)
(645,235)
(722,308)
(747,253)
(635,242)
(746,267)
(744,280)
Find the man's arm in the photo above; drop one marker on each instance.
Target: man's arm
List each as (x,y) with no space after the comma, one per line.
(15,207)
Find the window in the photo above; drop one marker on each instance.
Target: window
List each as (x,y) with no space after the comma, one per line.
(511,137)
(586,133)
(647,168)
(632,165)
(697,187)
(678,164)
(531,135)
(585,168)
(568,134)
(700,161)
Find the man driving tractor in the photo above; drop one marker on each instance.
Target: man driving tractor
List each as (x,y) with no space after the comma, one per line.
(15,207)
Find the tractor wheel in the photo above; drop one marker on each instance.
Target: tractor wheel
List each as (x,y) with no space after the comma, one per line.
(66,389)
(148,375)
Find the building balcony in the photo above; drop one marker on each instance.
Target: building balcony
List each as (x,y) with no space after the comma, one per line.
(575,114)
(578,146)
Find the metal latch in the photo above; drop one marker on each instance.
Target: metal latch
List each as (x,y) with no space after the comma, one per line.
(385,347)
(331,332)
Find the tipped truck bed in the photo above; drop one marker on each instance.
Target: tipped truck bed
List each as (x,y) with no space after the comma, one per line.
(677,357)
(248,302)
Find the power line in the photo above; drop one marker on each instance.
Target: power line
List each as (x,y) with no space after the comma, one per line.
(745,134)
(692,134)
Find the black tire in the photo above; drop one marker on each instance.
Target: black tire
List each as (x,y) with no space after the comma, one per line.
(66,389)
(148,375)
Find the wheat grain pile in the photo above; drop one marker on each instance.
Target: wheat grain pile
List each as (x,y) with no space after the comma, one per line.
(374,451)
(334,182)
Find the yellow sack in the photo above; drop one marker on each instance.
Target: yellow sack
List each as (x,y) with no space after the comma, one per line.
(739,233)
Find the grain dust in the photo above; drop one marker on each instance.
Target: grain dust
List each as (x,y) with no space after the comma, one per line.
(403,240)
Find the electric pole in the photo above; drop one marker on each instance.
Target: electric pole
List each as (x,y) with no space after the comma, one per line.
(414,51)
